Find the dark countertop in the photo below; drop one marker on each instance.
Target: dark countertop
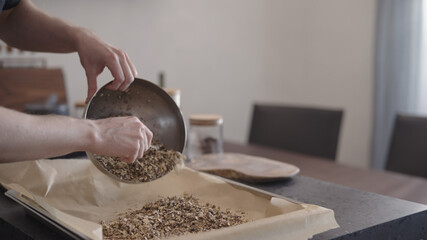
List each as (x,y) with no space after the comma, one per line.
(16,224)
(361,215)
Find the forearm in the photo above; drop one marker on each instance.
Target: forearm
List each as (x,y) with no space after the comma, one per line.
(34,30)
(28,137)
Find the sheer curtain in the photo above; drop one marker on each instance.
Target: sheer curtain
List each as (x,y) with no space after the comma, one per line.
(398,59)
(422,91)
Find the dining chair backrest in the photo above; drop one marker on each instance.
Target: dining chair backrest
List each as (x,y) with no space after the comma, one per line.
(312,131)
(408,146)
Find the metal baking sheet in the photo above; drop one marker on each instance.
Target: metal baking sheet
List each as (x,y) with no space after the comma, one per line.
(34,210)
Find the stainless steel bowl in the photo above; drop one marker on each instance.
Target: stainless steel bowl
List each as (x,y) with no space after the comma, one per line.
(147,101)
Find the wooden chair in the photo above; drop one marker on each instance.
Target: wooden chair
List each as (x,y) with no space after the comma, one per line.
(408,146)
(311,131)
(20,86)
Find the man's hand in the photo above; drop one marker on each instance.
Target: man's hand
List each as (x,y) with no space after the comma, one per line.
(95,55)
(124,137)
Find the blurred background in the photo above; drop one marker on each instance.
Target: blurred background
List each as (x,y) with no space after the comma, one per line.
(364,57)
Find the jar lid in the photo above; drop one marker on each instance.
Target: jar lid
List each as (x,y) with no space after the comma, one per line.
(205,119)
(172,91)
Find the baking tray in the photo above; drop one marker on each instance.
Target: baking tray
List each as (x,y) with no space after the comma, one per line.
(270,216)
(39,213)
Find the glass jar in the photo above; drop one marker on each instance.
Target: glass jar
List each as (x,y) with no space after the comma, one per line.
(204,135)
(175,95)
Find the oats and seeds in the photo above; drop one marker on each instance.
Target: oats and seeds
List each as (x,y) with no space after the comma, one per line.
(170,216)
(156,162)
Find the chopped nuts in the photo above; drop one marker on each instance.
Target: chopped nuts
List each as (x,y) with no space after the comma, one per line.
(156,162)
(170,216)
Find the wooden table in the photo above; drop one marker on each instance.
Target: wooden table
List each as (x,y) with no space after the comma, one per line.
(387,183)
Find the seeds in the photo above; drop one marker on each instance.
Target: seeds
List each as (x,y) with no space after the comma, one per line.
(170,216)
(156,162)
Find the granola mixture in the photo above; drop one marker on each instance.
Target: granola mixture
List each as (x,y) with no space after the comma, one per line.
(156,162)
(170,216)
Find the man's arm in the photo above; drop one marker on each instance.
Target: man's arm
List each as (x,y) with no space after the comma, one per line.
(28,28)
(29,137)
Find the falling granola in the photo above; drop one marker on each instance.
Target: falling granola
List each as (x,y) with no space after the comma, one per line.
(170,216)
(156,162)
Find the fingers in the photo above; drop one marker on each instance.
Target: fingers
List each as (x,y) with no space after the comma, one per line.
(143,140)
(132,67)
(92,86)
(127,159)
(114,66)
(143,145)
(127,72)
(133,157)
(150,136)
(122,70)
(141,149)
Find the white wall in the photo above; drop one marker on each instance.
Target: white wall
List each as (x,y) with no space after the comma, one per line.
(227,54)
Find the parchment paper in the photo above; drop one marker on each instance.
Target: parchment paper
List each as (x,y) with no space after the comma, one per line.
(78,194)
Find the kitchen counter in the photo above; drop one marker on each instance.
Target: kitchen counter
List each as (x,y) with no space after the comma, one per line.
(361,215)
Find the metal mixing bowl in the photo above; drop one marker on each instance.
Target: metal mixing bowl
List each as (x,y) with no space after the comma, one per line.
(147,101)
